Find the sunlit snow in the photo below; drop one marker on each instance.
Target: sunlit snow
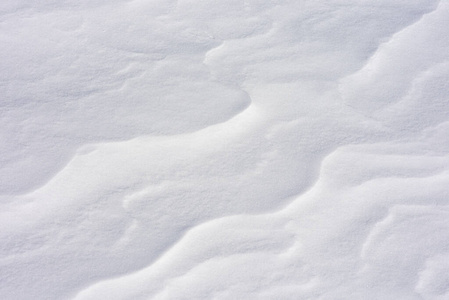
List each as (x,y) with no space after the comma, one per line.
(285,149)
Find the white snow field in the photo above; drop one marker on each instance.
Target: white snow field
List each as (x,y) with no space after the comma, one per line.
(234,149)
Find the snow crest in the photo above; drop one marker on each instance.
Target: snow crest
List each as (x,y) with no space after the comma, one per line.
(234,150)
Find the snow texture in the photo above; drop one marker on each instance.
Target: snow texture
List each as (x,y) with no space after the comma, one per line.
(181,149)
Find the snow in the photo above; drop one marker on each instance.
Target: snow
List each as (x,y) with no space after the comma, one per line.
(250,149)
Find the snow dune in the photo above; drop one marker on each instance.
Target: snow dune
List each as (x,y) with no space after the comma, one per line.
(232,150)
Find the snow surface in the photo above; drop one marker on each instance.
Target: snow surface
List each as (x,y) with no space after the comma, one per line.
(285,149)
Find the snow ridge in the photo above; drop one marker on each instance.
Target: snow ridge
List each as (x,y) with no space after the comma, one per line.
(240,150)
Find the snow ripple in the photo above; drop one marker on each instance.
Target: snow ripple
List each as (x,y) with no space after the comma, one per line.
(240,150)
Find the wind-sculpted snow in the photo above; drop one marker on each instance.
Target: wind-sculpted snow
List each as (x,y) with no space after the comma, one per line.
(231,150)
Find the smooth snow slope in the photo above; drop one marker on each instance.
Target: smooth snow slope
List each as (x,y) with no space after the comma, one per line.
(249,149)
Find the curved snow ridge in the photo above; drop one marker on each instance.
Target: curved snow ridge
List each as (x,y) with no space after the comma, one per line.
(97,167)
(389,73)
(101,74)
(304,249)
(238,235)
(402,250)
(238,171)
(139,197)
